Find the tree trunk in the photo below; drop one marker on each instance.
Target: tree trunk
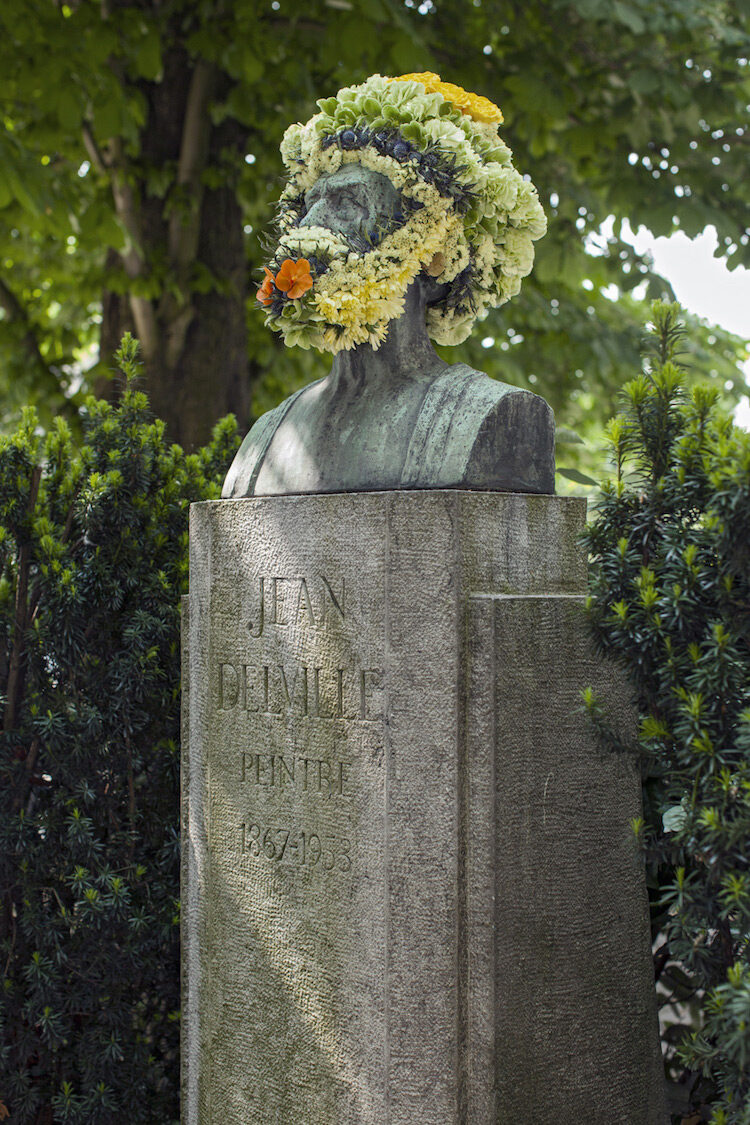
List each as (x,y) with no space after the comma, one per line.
(192,332)
(210,376)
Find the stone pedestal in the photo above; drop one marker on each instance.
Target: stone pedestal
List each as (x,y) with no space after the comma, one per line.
(411,892)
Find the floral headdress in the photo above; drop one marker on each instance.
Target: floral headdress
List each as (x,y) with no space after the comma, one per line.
(469,218)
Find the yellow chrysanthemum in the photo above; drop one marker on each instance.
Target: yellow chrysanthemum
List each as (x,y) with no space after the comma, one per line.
(430,81)
(478,108)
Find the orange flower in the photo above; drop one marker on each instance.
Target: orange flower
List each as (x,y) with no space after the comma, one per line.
(294,277)
(265,293)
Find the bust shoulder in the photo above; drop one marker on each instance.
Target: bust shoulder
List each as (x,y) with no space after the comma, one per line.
(243,472)
(475,432)
(469,431)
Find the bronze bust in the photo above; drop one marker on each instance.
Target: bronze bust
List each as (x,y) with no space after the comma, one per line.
(369,239)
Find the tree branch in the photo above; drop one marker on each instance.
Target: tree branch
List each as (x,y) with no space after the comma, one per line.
(145,325)
(29,766)
(175,335)
(128,213)
(184,228)
(92,148)
(184,222)
(133,260)
(127,210)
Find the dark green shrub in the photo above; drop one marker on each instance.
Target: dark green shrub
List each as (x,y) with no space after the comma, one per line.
(670,601)
(93,558)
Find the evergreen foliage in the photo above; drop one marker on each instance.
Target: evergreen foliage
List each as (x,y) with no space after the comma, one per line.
(670,601)
(93,558)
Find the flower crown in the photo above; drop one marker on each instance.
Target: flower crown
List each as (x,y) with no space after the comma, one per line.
(469,218)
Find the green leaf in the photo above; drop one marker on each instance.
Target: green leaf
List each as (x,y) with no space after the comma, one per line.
(577,476)
(253,68)
(629,15)
(108,119)
(564,436)
(6,191)
(147,56)
(28,193)
(68,106)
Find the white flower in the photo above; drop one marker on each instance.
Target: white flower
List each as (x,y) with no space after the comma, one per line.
(452,328)
(291,144)
(488,132)
(444,133)
(501,191)
(306,242)
(528,212)
(517,256)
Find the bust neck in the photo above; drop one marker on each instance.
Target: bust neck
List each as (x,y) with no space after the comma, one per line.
(405,356)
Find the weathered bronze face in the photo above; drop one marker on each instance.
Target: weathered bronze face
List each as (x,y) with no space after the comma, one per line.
(354,201)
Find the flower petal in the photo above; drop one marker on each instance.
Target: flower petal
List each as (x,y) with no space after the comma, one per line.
(294,278)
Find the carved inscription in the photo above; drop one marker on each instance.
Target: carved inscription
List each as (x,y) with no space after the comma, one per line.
(314,602)
(287,772)
(277,690)
(316,850)
(295,665)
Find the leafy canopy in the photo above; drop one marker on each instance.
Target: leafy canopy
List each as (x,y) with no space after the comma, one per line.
(635,109)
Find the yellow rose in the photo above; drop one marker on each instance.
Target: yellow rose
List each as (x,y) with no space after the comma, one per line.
(474,105)
(430,81)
